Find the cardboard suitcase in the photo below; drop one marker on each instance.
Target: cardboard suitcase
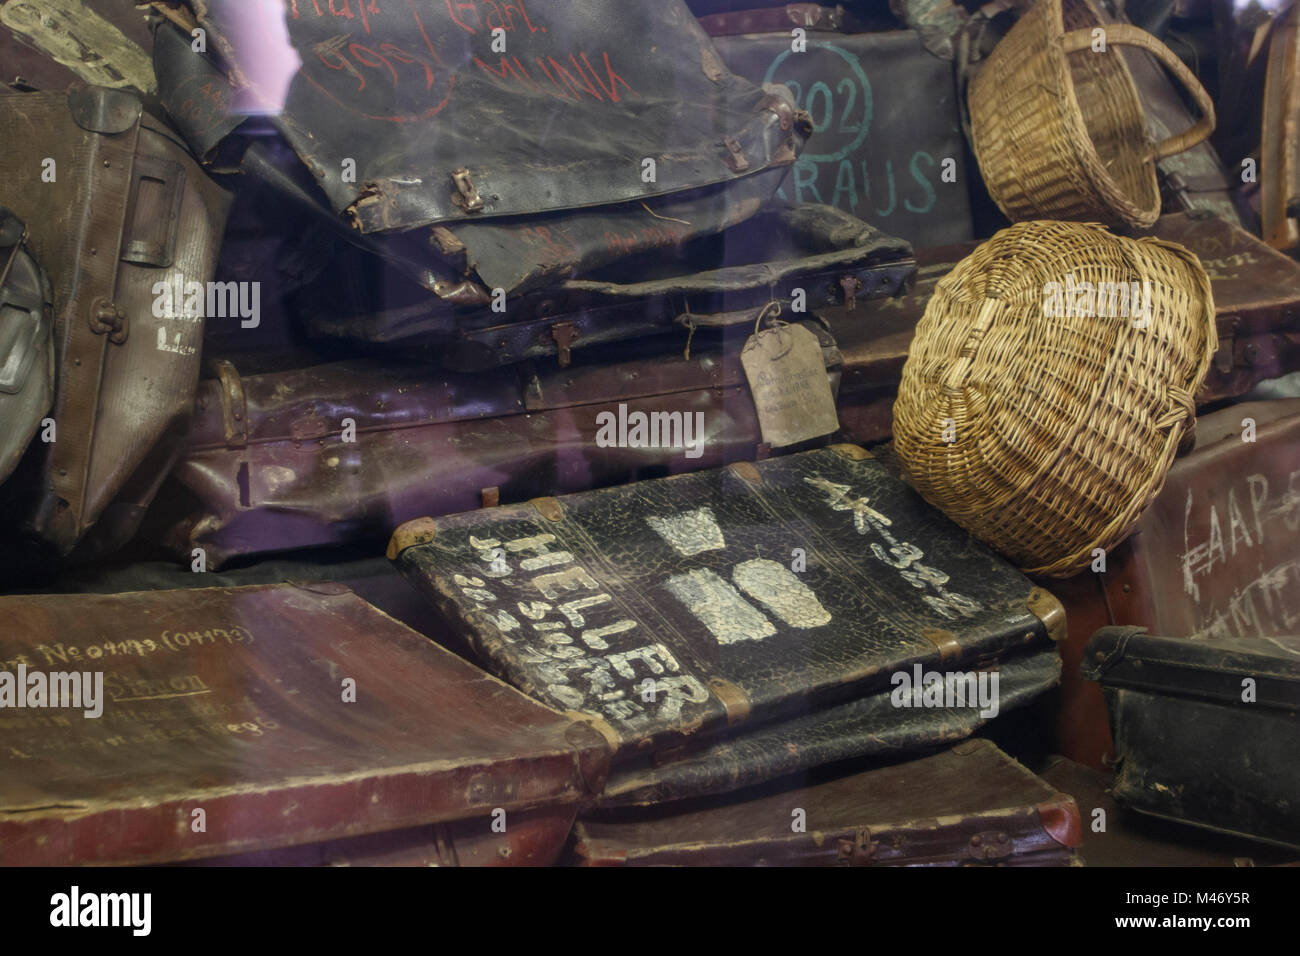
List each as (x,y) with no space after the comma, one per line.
(236,721)
(1215,556)
(121,217)
(1205,730)
(344,452)
(1256,298)
(970,805)
(726,605)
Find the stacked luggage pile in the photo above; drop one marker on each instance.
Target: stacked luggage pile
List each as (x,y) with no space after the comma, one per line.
(509,433)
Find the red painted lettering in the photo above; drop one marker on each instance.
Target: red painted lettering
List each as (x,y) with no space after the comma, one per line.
(346,12)
(454,10)
(614,79)
(567,77)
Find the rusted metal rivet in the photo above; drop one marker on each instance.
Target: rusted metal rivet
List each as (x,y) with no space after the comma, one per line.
(94,251)
(107,164)
(1099,657)
(975,841)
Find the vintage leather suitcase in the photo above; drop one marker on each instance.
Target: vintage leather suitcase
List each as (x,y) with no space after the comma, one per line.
(116,211)
(971,805)
(887,142)
(820,254)
(26,342)
(346,451)
(1215,556)
(626,603)
(1256,298)
(1178,707)
(596,118)
(248,720)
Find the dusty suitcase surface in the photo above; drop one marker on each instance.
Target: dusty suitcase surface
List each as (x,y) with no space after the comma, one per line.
(971,805)
(679,607)
(1176,704)
(229,700)
(404,92)
(127,212)
(887,142)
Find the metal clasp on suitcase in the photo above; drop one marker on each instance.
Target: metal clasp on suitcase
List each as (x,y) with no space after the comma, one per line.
(154,214)
(990,845)
(858,851)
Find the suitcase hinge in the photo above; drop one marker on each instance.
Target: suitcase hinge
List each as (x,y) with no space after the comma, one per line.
(858,851)
(466,195)
(990,845)
(1044,606)
(735,157)
(106,317)
(564,334)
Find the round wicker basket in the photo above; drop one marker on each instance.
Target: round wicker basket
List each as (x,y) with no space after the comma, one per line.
(1049,384)
(1058,128)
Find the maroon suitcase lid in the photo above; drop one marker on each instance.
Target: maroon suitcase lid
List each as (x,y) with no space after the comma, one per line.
(1217,554)
(230,701)
(969,804)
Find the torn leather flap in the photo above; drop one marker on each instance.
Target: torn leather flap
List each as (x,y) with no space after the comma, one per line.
(432,111)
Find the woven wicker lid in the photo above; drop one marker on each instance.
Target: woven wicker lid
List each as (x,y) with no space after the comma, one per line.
(1040,422)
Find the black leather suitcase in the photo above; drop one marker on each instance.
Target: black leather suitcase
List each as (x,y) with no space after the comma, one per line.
(1205,731)
(768,606)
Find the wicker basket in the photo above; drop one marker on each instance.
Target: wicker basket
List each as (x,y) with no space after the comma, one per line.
(1059,131)
(1046,434)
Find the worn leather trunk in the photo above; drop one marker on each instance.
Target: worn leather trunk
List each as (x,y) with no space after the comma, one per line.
(885,121)
(1215,556)
(1256,299)
(1176,704)
(271,462)
(822,255)
(626,604)
(971,805)
(234,702)
(116,210)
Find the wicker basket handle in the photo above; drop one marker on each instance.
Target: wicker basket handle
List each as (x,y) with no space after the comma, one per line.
(1125,34)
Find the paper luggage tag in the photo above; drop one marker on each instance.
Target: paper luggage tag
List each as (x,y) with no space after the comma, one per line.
(787,377)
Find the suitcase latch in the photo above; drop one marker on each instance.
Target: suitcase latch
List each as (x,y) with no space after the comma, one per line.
(850,286)
(466,195)
(564,333)
(858,851)
(735,157)
(107,318)
(990,845)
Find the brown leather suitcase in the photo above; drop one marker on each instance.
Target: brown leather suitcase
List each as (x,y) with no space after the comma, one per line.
(971,805)
(272,463)
(1215,556)
(1256,299)
(295,723)
(117,211)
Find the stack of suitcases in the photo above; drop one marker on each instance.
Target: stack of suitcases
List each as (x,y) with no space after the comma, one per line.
(476,433)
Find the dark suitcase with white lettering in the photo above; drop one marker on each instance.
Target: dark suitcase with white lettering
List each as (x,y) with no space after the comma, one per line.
(116,210)
(344,452)
(971,805)
(1205,731)
(283,724)
(626,605)
(887,143)
(1215,556)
